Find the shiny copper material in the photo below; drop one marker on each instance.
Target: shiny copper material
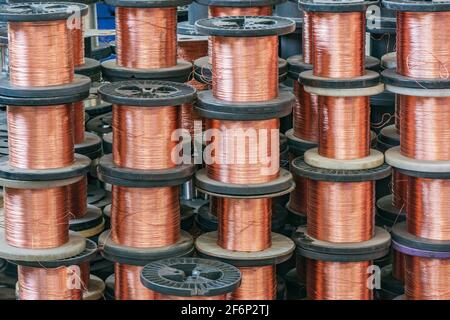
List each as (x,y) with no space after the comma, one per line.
(339,44)
(424,127)
(145,217)
(142,136)
(258,283)
(307,42)
(305,114)
(85,274)
(48,284)
(77,35)
(40,53)
(245,151)
(428,208)
(29,130)
(398,265)
(344,130)
(327,280)
(239,11)
(397,113)
(77,198)
(167,297)
(245,224)
(245,69)
(427,278)
(419,56)
(128,284)
(191,50)
(36,218)
(299,197)
(146,38)
(399,190)
(341,211)
(77,116)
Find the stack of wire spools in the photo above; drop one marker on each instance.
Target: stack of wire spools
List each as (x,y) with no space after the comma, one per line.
(421,82)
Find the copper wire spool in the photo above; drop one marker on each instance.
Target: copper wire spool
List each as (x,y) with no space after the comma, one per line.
(397,113)
(299,196)
(427,278)
(40,53)
(47,284)
(305,114)
(339,44)
(77,198)
(246,151)
(327,280)
(307,42)
(257,283)
(191,50)
(399,190)
(142,136)
(245,69)
(29,130)
(428,207)
(77,116)
(128,284)
(146,38)
(344,130)
(341,211)
(145,217)
(424,127)
(245,224)
(77,35)
(215,11)
(423,44)
(36,218)
(85,274)
(168,297)
(398,265)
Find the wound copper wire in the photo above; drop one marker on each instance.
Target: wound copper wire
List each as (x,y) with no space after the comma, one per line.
(36,218)
(77,198)
(299,196)
(29,129)
(40,53)
(307,42)
(341,211)
(85,274)
(339,44)
(142,136)
(145,217)
(244,151)
(328,280)
(47,284)
(257,283)
(344,130)
(215,11)
(399,190)
(305,114)
(398,265)
(146,38)
(77,116)
(245,69)
(424,127)
(428,207)
(245,224)
(77,34)
(397,119)
(128,284)
(423,44)
(427,278)
(191,50)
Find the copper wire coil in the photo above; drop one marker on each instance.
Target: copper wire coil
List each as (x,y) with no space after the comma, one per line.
(146,38)
(307,42)
(399,190)
(191,50)
(168,297)
(145,217)
(85,274)
(299,196)
(257,283)
(341,211)
(36,218)
(305,114)
(423,44)
(77,35)
(398,265)
(245,224)
(427,278)
(428,207)
(424,129)
(328,280)
(77,198)
(344,130)
(142,136)
(128,284)
(40,138)
(339,44)
(397,119)
(40,53)
(77,116)
(300,266)
(47,284)
(244,151)
(245,69)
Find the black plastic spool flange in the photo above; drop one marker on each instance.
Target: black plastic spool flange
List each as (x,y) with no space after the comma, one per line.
(302,169)
(335,5)
(401,236)
(416,6)
(147,4)
(111,173)
(208,106)
(294,218)
(391,77)
(389,137)
(91,68)
(242,26)
(385,99)
(373,249)
(388,212)
(91,146)
(95,193)
(40,11)
(239,3)
(92,219)
(297,146)
(296,290)
(147,93)
(190,277)
(389,284)
(369,79)
(424,175)
(100,124)
(107,143)
(187,217)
